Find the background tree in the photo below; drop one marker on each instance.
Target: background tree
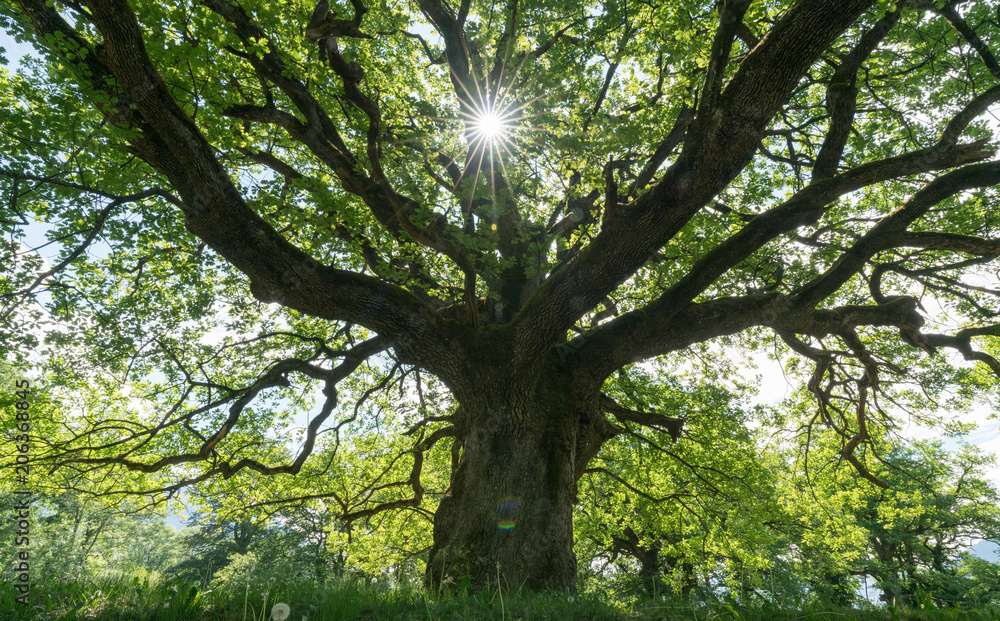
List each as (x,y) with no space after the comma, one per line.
(263,209)
(912,537)
(73,537)
(984,577)
(937,506)
(661,515)
(212,537)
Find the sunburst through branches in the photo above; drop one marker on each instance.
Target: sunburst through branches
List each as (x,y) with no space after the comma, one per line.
(492,127)
(493,117)
(493,113)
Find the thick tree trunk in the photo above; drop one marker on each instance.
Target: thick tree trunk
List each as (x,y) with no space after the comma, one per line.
(507,518)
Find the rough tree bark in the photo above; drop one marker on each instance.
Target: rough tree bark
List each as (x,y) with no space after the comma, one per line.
(508,514)
(525,436)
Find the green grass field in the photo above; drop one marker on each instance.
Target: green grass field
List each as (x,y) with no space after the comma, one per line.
(123,599)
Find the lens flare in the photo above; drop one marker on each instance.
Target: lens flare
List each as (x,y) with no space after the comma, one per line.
(508,508)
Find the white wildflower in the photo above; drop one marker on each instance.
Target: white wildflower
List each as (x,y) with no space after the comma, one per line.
(280,611)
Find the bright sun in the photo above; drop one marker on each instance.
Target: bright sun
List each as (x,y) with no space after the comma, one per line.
(491,126)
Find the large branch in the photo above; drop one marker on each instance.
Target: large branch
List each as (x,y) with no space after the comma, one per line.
(654,420)
(880,236)
(940,240)
(962,342)
(842,96)
(730,19)
(639,335)
(716,149)
(808,205)
(971,37)
(319,134)
(276,375)
(214,210)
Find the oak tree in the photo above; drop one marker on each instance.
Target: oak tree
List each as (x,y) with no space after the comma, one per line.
(261,205)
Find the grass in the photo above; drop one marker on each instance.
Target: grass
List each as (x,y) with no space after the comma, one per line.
(129,599)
